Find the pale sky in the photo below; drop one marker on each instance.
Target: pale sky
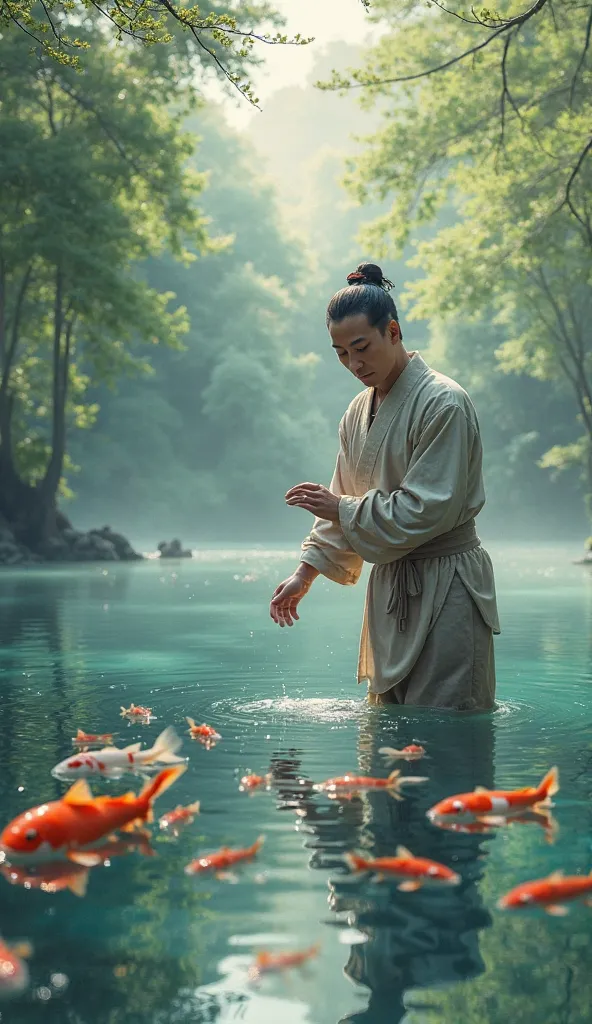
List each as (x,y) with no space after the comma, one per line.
(326,20)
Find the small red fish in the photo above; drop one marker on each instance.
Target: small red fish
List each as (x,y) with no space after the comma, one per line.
(79,821)
(204,733)
(89,739)
(415,871)
(549,893)
(483,803)
(179,816)
(136,712)
(413,752)
(356,783)
(250,782)
(14,973)
(224,858)
(51,878)
(266,963)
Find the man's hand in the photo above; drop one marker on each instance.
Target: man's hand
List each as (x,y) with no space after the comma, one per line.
(316,499)
(287,596)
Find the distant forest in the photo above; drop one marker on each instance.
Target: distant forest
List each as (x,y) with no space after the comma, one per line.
(201,434)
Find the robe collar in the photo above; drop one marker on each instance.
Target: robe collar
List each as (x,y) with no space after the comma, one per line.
(373,437)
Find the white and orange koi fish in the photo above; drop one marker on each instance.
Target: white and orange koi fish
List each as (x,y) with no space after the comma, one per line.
(137,713)
(112,763)
(485,803)
(349,785)
(412,752)
(77,822)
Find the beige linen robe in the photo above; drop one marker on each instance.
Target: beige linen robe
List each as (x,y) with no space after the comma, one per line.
(412,476)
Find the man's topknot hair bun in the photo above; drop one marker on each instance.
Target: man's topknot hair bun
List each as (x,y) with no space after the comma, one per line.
(369,273)
(373,302)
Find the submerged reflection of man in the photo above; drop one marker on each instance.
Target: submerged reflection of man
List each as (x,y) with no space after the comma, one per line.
(414,940)
(427,938)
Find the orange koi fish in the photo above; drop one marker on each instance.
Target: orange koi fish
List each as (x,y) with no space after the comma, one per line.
(357,783)
(504,803)
(179,817)
(224,858)
(112,762)
(266,962)
(250,782)
(137,712)
(415,871)
(412,752)
(204,733)
(14,973)
(115,846)
(51,878)
(549,893)
(89,739)
(79,821)
(487,825)
(56,876)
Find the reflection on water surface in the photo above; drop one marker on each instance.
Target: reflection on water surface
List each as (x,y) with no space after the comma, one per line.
(147,943)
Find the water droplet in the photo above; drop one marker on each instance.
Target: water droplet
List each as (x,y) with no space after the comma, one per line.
(43,993)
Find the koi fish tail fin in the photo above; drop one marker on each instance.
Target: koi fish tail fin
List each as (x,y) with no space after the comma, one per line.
(257,844)
(194,808)
(394,778)
(190,722)
(550,784)
(389,754)
(166,746)
(412,780)
(78,883)
(355,862)
(160,783)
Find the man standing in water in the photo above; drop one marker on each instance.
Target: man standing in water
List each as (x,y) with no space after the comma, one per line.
(406,489)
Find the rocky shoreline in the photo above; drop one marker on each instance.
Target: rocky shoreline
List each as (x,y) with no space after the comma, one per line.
(68,545)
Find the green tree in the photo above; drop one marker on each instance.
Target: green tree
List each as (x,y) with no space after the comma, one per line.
(92,181)
(520,246)
(219,37)
(212,440)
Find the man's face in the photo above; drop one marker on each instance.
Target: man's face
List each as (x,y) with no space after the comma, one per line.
(363,350)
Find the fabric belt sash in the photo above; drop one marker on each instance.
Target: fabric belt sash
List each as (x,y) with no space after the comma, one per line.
(407,583)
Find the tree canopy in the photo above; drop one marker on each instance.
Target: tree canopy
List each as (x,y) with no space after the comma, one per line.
(219,37)
(93,180)
(506,172)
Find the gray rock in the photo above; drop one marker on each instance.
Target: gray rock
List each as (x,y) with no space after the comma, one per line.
(9,552)
(174,549)
(120,543)
(70,535)
(55,549)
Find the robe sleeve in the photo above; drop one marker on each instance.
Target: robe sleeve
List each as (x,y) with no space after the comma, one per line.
(384,527)
(326,548)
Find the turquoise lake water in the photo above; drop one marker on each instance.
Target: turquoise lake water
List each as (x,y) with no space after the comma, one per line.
(147,943)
